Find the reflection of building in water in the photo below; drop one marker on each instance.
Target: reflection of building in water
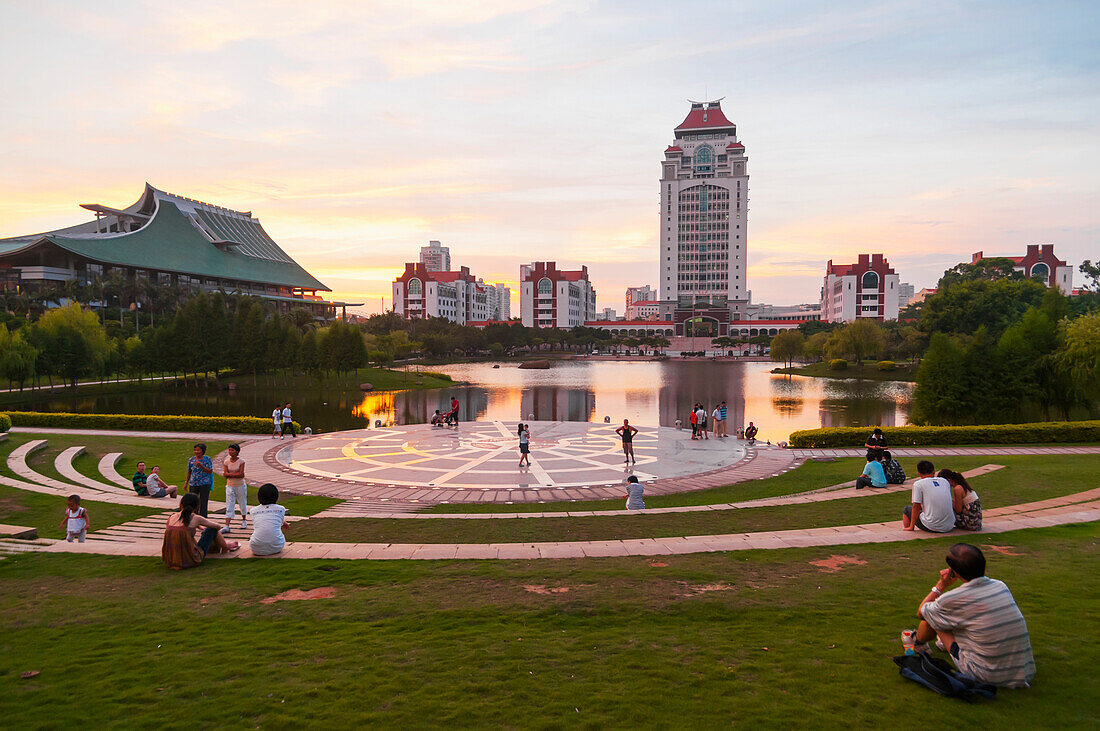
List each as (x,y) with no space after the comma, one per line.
(554,403)
(696,383)
(375,406)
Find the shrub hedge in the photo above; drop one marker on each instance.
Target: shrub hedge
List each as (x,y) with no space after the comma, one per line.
(5,423)
(886,365)
(146,422)
(1049,432)
(838,364)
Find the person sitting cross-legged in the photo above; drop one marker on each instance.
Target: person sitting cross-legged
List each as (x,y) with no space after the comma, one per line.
(932,509)
(977,623)
(873,474)
(895,475)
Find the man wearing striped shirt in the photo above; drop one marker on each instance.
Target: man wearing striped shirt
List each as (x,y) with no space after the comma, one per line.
(978,623)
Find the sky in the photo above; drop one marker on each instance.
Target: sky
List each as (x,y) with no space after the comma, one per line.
(516,130)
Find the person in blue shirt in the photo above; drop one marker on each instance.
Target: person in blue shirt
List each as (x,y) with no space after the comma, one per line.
(200,476)
(873,474)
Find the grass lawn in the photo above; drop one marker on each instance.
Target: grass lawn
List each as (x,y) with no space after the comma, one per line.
(41,511)
(869,372)
(1024,479)
(761,637)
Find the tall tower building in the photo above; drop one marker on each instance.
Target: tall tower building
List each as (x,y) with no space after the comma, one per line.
(704,212)
(435,257)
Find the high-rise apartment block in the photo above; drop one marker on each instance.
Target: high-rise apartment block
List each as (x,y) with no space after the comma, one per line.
(645,293)
(866,289)
(435,257)
(499,299)
(456,296)
(704,212)
(905,293)
(552,297)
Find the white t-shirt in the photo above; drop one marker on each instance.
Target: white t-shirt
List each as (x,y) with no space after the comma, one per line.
(267,529)
(286,415)
(153,482)
(937,508)
(276,415)
(717,414)
(231,466)
(634,493)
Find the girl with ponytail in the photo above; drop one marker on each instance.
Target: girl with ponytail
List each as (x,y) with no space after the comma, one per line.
(180,550)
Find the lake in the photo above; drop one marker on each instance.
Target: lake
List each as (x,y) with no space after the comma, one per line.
(644,392)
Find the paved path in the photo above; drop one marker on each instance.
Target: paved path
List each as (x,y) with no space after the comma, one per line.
(197,436)
(1079,508)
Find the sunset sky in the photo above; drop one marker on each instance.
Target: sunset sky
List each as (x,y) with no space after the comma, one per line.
(526,129)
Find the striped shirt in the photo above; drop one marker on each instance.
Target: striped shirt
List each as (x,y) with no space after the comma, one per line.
(994,646)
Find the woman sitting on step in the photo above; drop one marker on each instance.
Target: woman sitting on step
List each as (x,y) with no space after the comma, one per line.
(965,502)
(180,550)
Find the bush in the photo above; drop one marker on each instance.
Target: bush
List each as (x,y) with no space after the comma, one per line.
(146,422)
(5,423)
(886,365)
(838,364)
(1051,432)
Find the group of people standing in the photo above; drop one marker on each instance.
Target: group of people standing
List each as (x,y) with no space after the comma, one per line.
(699,417)
(282,423)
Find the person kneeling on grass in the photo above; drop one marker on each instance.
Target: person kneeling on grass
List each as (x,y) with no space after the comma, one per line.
(180,550)
(873,475)
(268,522)
(932,509)
(978,623)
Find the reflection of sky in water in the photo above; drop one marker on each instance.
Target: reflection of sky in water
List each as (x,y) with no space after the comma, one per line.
(645,393)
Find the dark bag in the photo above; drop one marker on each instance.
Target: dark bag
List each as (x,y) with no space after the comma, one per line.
(934,673)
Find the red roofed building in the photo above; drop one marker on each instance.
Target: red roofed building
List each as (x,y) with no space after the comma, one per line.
(456,296)
(552,297)
(1040,261)
(866,289)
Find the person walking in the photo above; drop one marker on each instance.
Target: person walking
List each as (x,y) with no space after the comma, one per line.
(627,432)
(288,422)
(277,419)
(524,445)
(200,476)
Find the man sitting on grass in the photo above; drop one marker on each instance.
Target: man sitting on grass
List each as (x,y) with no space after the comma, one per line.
(978,623)
(933,509)
(873,474)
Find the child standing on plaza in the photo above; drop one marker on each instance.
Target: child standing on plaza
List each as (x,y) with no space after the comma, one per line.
(75,521)
(236,492)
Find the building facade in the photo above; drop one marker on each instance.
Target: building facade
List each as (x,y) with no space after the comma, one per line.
(499,300)
(552,297)
(645,293)
(1040,262)
(435,257)
(905,293)
(607,314)
(456,296)
(704,212)
(167,240)
(867,289)
(643,310)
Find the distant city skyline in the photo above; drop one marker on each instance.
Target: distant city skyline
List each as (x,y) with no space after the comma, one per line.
(532,130)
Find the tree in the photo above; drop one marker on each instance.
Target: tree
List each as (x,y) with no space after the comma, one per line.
(987,269)
(72,342)
(814,347)
(1080,356)
(1092,274)
(18,358)
(859,339)
(966,306)
(786,346)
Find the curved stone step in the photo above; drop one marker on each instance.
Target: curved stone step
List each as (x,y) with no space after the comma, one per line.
(63,463)
(107,468)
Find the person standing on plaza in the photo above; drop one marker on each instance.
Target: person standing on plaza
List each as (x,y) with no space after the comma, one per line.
(702,421)
(722,412)
(716,421)
(627,432)
(236,492)
(277,427)
(288,422)
(200,476)
(453,413)
(694,419)
(524,445)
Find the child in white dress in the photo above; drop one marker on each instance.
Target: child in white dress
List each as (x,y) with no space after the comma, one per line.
(75,521)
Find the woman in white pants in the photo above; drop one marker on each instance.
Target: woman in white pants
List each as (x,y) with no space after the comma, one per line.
(236,492)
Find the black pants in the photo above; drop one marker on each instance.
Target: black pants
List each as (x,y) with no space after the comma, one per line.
(203,491)
(863,481)
(288,428)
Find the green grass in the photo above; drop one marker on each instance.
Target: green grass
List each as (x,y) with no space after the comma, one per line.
(869,372)
(1024,479)
(42,511)
(123,642)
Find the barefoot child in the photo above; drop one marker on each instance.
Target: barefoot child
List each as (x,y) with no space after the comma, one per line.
(75,521)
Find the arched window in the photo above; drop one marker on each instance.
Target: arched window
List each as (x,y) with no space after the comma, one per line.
(1041,271)
(869,281)
(704,158)
(415,287)
(546,287)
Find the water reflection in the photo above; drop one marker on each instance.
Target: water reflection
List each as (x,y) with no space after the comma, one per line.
(645,393)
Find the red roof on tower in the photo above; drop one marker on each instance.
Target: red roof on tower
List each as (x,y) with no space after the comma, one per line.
(735,145)
(704,118)
(673,148)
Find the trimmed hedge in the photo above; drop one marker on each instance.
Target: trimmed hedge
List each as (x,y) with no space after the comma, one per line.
(886,365)
(1048,432)
(146,422)
(5,423)
(838,364)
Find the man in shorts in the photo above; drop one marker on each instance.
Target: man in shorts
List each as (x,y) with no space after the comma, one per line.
(158,487)
(277,418)
(932,509)
(627,432)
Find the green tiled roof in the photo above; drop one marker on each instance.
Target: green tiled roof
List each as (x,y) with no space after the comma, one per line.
(170,242)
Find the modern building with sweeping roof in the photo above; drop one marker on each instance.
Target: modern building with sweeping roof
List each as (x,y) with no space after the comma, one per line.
(169,239)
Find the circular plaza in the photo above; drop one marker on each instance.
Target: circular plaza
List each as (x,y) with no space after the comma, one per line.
(479,461)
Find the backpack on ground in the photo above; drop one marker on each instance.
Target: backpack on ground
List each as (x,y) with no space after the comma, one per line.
(937,675)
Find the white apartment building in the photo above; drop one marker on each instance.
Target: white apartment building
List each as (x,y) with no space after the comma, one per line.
(866,289)
(643,310)
(645,293)
(456,296)
(551,297)
(905,293)
(435,257)
(704,211)
(500,300)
